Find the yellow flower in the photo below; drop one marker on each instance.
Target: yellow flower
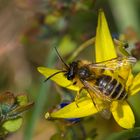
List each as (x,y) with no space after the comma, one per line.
(104,50)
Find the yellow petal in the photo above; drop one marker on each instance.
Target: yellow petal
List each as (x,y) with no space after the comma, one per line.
(85,108)
(123,114)
(135,88)
(60,79)
(129,80)
(104,47)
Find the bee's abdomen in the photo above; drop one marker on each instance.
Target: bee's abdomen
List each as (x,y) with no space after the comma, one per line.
(111,87)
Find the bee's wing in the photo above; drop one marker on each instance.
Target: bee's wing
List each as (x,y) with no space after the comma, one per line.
(95,90)
(101,102)
(115,64)
(106,113)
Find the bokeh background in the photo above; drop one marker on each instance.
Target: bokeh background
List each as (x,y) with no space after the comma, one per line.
(29,31)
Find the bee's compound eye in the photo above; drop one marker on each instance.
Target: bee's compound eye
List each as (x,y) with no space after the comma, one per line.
(70,76)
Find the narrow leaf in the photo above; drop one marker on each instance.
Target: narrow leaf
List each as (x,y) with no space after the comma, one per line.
(125,134)
(12,125)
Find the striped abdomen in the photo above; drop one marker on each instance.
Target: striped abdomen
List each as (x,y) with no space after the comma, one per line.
(111,88)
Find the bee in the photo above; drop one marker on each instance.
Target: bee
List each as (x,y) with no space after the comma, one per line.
(12,106)
(102,80)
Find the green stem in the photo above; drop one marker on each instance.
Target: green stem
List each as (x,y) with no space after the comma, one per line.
(41,99)
(90,42)
(81,48)
(125,14)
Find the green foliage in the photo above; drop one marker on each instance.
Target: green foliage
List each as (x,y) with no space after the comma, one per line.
(12,125)
(125,134)
(11,108)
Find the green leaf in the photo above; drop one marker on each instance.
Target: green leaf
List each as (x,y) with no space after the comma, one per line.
(125,134)
(57,136)
(136,68)
(12,125)
(22,99)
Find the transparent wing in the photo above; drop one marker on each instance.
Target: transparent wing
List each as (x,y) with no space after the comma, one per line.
(96,91)
(115,64)
(101,102)
(106,113)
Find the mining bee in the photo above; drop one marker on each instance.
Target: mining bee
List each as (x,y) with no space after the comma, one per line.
(12,106)
(101,80)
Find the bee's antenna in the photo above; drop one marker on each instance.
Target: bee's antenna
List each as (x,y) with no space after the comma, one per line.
(54,75)
(61,58)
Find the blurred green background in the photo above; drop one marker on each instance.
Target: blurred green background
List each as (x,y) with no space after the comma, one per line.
(29,31)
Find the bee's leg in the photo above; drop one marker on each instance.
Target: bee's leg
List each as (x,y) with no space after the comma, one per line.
(91,96)
(127,78)
(98,105)
(94,100)
(124,79)
(117,75)
(76,98)
(78,95)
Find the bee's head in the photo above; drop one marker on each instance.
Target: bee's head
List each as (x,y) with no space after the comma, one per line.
(72,70)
